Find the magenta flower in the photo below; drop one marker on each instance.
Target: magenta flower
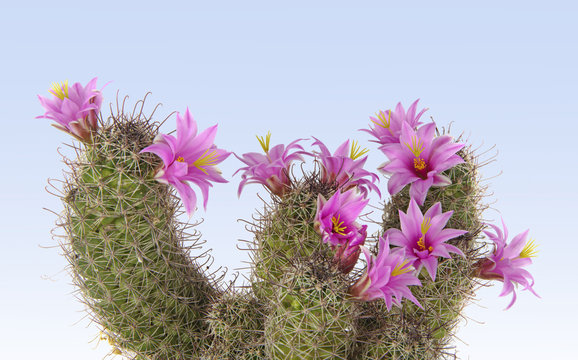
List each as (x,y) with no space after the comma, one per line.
(188,158)
(75,109)
(387,276)
(423,236)
(345,168)
(507,261)
(388,123)
(335,221)
(419,160)
(271,169)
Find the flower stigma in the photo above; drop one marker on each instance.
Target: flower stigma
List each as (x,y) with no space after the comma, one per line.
(529,250)
(383,122)
(207,159)
(416,147)
(60,90)
(357,151)
(399,268)
(338,226)
(265,141)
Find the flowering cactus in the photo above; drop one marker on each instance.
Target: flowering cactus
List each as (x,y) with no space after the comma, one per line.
(310,296)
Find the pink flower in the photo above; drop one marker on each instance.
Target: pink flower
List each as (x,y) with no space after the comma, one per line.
(271,169)
(335,221)
(387,276)
(75,109)
(423,236)
(388,123)
(188,158)
(419,160)
(344,168)
(507,260)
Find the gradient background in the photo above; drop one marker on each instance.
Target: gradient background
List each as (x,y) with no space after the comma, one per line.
(503,74)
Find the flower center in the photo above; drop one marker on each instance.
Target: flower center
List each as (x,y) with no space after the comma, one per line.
(181,159)
(425,225)
(338,226)
(207,159)
(420,167)
(418,164)
(60,90)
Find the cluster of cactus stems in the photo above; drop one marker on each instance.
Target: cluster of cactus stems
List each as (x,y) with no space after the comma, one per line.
(145,279)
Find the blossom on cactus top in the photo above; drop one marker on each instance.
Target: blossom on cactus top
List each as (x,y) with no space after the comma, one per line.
(189,158)
(75,108)
(387,275)
(423,236)
(335,218)
(271,169)
(507,261)
(388,123)
(335,222)
(345,168)
(419,160)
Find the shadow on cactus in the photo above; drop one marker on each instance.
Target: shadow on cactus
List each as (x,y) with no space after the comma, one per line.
(145,279)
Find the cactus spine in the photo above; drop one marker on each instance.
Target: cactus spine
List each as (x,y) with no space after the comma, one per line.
(127,251)
(142,276)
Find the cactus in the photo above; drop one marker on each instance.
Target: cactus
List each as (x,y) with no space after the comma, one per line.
(145,281)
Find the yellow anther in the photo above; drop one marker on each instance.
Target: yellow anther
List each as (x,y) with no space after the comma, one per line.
(337,225)
(60,90)
(398,269)
(383,122)
(421,243)
(207,159)
(416,147)
(181,159)
(430,248)
(264,141)
(418,163)
(357,151)
(529,250)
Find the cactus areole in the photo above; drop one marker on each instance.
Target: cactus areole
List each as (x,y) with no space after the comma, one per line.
(145,280)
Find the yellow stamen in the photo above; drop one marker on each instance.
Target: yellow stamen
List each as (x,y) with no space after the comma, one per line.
(60,90)
(337,225)
(383,122)
(421,243)
(357,151)
(418,163)
(416,147)
(207,159)
(264,141)
(181,159)
(399,270)
(529,250)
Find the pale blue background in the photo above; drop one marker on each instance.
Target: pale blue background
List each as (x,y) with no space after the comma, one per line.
(504,74)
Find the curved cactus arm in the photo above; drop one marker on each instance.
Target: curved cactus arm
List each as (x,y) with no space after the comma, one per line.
(127,251)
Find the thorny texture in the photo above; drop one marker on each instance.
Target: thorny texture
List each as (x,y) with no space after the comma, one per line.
(430,331)
(129,257)
(134,266)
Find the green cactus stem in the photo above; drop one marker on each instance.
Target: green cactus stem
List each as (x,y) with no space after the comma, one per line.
(127,251)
